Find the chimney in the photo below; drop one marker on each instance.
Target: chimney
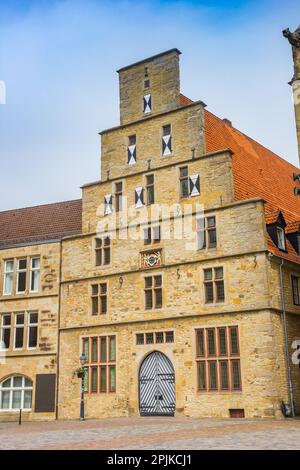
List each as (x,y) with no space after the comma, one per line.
(228,122)
(294,40)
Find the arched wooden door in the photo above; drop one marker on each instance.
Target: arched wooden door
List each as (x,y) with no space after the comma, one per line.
(157,386)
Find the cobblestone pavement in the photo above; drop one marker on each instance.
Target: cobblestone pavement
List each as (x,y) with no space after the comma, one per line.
(152,433)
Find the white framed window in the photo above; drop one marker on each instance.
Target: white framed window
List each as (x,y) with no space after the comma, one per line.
(8,279)
(281,238)
(5,331)
(32,333)
(166,140)
(35,274)
(16,393)
(21,275)
(19,328)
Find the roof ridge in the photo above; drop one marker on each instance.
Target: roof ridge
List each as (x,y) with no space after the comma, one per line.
(252,139)
(41,205)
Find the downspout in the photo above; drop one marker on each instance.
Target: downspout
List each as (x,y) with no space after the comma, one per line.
(286,341)
(58,328)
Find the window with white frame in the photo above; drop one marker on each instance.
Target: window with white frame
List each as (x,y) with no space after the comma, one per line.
(34,274)
(19,328)
(16,393)
(281,238)
(21,275)
(32,333)
(5,331)
(8,279)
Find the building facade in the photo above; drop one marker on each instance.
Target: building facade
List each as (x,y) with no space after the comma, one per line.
(180,282)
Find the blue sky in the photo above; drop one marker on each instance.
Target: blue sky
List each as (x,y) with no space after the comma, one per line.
(59,61)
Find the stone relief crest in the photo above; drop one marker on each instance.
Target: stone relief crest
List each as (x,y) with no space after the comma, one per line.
(151,259)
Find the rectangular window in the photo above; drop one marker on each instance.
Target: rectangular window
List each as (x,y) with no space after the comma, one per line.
(152,234)
(158,337)
(101,370)
(102,251)
(166,140)
(131,150)
(99,299)
(184,182)
(21,275)
(5,331)
(119,196)
(218,364)
(147,104)
(281,238)
(34,274)
(153,292)
(206,233)
(295,288)
(8,277)
(150,189)
(214,285)
(19,330)
(32,335)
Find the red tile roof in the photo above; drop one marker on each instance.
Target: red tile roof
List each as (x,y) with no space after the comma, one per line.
(40,223)
(258,172)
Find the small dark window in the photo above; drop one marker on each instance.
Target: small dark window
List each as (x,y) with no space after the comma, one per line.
(147,83)
(184,182)
(140,338)
(295,288)
(150,189)
(119,196)
(169,337)
(149,338)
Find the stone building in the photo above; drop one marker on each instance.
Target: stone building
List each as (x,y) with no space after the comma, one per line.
(30,257)
(180,284)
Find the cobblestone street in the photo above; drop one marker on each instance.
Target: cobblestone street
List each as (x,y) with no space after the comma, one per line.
(152,433)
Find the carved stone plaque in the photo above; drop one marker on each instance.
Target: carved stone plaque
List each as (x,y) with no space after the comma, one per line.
(151,259)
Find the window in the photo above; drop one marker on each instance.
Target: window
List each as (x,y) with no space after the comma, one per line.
(23,323)
(8,277)
(102,251)
(217,358)
(147,104)
(157,337)
(150,189)
(184,182)
(99,299)
(26,268)
(152,234)
(32,333)
(101,365)
(108,205)
(147,84)
(206,233)
(19,330)
(281,238)
(5,331)
(153,292)
(139,197)
(131,150)
(166,141)
(34,274)
(21,275)
(214,285)
(295,289)
(119,196)
(16,393)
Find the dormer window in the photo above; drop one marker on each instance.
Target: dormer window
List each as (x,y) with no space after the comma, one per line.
(281,238)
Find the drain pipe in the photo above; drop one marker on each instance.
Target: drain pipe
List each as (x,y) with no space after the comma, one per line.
(286,340)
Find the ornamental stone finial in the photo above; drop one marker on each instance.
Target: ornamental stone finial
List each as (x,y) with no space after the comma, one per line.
(293,38)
